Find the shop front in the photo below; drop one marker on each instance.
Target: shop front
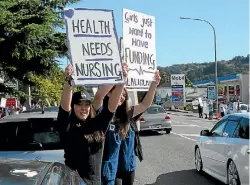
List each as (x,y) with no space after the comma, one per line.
(231,88)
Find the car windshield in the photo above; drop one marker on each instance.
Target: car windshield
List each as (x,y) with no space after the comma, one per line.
(34,134)
(243,107)
(155,110)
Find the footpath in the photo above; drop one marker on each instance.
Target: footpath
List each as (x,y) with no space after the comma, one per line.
(186,113)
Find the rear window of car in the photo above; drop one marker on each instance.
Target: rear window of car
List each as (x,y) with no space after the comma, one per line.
(243,107)
(155,110)
(34,134)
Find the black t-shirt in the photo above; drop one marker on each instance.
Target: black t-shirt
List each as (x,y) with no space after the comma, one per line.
(81,155)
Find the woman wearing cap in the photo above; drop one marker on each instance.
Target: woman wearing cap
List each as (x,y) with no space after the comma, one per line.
(82,133)
(121,137)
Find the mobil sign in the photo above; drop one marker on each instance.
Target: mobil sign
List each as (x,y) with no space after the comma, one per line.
(178,79)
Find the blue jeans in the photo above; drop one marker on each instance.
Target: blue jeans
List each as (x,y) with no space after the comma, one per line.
(108,182)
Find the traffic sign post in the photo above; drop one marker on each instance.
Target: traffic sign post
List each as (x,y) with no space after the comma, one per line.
(158,99)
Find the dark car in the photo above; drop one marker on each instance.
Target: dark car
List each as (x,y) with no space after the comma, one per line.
(22,172)
(31,136)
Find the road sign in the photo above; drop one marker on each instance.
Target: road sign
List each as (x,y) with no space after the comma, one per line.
(158,98)
(211,92)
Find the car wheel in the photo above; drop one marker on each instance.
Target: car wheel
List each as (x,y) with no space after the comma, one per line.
(198,160)
(232,174)
(167,131)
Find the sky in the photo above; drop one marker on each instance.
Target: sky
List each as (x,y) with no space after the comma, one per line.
(185,41)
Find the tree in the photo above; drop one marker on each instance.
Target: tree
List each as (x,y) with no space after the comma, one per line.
(47,90)
(29,36)
(165,77)
(188,82)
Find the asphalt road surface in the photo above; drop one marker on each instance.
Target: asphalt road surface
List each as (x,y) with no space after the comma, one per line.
(169,158)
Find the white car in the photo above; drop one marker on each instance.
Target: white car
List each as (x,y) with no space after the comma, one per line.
(244,108)
(224,151)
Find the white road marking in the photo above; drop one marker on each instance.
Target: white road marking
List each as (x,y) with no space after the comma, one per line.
(183,136)
(193,135)
(186,125)
(180,122)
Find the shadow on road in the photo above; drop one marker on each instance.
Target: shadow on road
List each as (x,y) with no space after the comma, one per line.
(150,133)
(185,177)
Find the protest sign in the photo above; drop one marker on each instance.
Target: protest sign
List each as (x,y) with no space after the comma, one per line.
(139,49)
(93,47)
(121,49)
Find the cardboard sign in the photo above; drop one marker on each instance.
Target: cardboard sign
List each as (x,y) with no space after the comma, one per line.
(93,47)
(139,49)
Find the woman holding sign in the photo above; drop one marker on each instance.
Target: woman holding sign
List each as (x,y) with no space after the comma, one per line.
(82,133)
(122,141)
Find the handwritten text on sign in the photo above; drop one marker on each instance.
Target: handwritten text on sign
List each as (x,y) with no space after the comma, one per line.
(139,48)
(93,46)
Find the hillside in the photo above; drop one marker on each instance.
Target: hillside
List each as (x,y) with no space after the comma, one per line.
(204,71)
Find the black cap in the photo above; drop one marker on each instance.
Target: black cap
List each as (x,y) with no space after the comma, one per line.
(80,96)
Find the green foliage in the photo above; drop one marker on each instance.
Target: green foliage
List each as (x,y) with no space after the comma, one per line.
(83,88)
(165,76)
(204,71)
(49,88)
(29,40)
(188,82)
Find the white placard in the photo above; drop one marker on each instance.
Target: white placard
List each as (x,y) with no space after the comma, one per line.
(94,90)
(139,49)
(121,49)
(93,47)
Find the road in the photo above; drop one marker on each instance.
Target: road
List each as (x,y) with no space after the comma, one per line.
(169,158)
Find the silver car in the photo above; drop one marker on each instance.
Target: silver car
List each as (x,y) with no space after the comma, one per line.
(155,118)
(223,152)
(27,172)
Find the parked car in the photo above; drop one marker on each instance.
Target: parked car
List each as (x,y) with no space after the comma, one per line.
(155,118)
(224,151)
(22,172)
(244,108)
(31,136)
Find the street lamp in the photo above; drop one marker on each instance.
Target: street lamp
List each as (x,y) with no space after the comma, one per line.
(215,58)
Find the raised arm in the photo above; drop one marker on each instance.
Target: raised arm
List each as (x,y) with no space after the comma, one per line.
(117,92)
(104,90)
(99,96)
(67,91)
(147,101)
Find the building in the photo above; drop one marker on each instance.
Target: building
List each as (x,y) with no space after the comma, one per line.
(191,93)
(231,87)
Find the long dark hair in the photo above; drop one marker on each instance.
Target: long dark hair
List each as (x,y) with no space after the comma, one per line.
(121,114)
(137,117)
(97,136)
